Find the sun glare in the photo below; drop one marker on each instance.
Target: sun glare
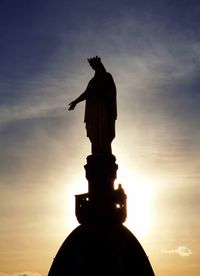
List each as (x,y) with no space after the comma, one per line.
(139,192)
(79,186)
(139,201)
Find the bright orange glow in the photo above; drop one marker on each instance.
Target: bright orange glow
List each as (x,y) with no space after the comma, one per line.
(140,194)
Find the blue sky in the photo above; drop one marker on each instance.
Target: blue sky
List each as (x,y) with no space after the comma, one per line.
(152,49)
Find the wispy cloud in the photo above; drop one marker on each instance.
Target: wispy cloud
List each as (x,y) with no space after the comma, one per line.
(26,273)
(183,251)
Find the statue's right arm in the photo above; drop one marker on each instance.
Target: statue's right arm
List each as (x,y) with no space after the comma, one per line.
(81,98)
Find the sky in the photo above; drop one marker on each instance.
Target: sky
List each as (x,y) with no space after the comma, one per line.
(152,50)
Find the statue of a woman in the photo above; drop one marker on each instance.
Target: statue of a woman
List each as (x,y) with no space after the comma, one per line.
(100,108)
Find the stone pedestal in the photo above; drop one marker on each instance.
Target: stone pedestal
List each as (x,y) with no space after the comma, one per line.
(102,202)
(101,245)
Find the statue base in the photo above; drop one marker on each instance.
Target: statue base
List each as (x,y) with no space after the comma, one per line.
(101,245)
(102,202)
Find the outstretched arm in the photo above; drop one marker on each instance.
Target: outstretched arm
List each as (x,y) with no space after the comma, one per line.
(81,98)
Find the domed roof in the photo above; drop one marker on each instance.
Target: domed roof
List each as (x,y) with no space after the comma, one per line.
(101,249)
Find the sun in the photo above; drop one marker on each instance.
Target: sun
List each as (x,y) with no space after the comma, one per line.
(140,195)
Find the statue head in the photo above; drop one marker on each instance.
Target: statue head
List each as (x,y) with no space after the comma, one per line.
(96,64)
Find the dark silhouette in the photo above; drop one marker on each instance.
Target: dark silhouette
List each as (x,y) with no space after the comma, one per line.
(101,244)
(100,108)
(101,249)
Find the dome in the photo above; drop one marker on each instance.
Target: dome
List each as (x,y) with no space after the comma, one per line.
(101,249)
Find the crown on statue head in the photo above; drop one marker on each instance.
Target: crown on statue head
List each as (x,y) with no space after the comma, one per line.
(94,60)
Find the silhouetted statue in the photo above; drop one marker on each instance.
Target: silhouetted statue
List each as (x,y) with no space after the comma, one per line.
(100,108)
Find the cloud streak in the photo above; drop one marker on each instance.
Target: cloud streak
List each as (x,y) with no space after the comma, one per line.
(182,251)
(27,273)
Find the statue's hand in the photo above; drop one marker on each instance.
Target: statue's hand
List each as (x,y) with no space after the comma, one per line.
(72,105)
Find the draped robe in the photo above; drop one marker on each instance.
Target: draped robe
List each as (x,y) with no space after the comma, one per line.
(100,112)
